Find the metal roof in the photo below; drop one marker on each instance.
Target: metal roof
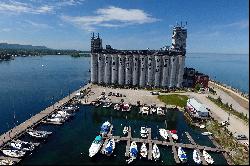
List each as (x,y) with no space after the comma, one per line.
(198,106)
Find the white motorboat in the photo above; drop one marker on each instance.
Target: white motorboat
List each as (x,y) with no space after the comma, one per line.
(56,119)
(117,107)
(95,146)
(22,145)
(107,105)
(153,109)
(182,155)
(109,149)
(196,157)
(160,111)
(6,162)
(206,133)
(39,134)
(174,134)
(13,153)
(70,108)
(207,157)
(202,126)
(163,133)
(156,152)
(144,132)
(144,150)
(125,130)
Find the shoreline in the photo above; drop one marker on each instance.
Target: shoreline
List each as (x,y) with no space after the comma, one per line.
(242,100)
(244,96)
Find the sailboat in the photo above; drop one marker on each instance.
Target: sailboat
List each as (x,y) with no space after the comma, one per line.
(22,145)
(156,152)
(13,153)
(196,157)
(182,155)
(144,150)
(163,133)
(207,157)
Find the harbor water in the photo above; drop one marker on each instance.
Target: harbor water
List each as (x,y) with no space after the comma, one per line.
(69,143)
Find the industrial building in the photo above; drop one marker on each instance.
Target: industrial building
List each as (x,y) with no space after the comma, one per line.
(196,109)
(163,68)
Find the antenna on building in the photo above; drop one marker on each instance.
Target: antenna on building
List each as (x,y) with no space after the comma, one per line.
(93,35)
(181,23)
(98,35)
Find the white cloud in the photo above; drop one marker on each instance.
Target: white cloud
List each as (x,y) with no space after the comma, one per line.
(68,2)
(110,17)
(38,25)
(5,30)
(14,7)
(242,24)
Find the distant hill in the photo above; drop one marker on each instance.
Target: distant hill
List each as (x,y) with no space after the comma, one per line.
(19,46)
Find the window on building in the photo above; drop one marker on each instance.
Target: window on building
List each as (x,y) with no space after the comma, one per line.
(113,63)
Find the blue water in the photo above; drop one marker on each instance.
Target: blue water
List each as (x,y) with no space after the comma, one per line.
(231,69)
(29,85)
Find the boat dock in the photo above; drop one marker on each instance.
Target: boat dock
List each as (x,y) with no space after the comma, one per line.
(174,145)
(22,128)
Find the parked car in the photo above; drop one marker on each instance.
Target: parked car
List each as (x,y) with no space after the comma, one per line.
(155,93)
(224,123)
(241,137)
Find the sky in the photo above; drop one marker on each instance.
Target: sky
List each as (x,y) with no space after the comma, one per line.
(214,26)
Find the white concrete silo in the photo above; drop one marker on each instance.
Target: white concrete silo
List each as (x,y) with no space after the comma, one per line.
(151,70)
(158,70)
(114,68)
(121,69)
(94,68)
(181,65)
(107,69)
(136,70)
(100,68)
(165,71)
(128,69)
(143,70)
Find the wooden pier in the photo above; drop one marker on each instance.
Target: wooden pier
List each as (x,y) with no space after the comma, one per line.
(174,145)
(19,130)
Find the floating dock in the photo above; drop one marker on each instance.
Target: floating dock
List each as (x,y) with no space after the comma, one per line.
(174,145)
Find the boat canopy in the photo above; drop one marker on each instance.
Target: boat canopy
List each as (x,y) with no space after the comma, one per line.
(134,151)
(98,138)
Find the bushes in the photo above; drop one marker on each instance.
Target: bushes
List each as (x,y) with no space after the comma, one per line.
(229,108)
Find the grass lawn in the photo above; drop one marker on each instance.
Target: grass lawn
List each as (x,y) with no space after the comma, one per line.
(174,99)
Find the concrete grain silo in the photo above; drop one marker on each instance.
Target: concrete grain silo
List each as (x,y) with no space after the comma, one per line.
(136,69)
(151,70)
(100,68)
(143,70)
(158,70)
(107,69)
(128,69)
(181,65)
(94,68)
(165,71)
(121,69)
(114,68)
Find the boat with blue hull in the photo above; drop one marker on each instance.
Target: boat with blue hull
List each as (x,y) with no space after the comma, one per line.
(105,128)
(109,149)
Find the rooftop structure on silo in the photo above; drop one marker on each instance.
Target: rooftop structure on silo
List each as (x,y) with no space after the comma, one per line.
(179,37)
